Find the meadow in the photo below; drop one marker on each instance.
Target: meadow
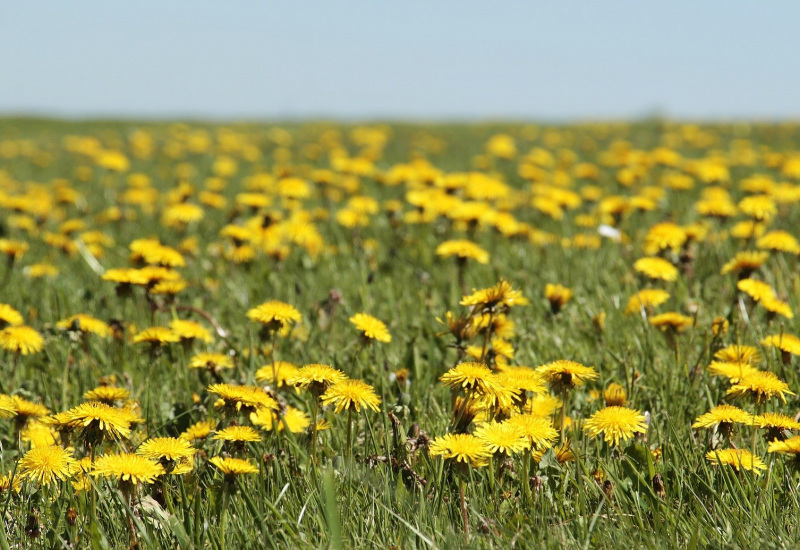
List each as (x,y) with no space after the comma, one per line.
(399,336)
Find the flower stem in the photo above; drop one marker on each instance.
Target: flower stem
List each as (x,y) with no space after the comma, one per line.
(463,508)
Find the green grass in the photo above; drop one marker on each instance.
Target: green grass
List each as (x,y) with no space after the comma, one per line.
(374,501)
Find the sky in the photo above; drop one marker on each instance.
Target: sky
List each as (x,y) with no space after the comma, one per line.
(401,59)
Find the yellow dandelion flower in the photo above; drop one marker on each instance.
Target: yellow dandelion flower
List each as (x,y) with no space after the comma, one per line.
(8,408)
(39,434)
(211,361)
(295,420)
(656,268)
(775,422)
(21,339)
(248,398)
(757,290)
(174,454)
(671,321)
(282,370)
(745,263)
(786,343)
(615,424)
(539,430)
(566,374)
(500,297)
(780,241)
(463,250)
(156,336)
(732,371)
(463,448)
(739,354)
(760,386)
(190,330)
(615,395)
(199,430)
(789,446)
(86,324)
(107,394)
(502,437)
(645,299)
(275,315)
(351,394)
(776,306)
(10,316)
(45,465)
(233,466)
(237,434)
(557,295)
(98,420)
(371,328)
(128,468)
(316,378)
(723,414)
(738,458)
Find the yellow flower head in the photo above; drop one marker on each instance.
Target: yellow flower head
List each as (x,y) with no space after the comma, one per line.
(189,330)
(295,420)
(656,268)
(615,423)
(45,465)
(96,420)
(789,446)
(739,354)
(10,316)
(463,250)
(780,241)
(248,398)
(566,374)
(86,324)
(723,414)
(539,430)
(283,370)
(234,466)
(107,394)
(274,314)
(738,458)
(615,395)
(645,299)
(500,297)
(760,386)
(557,295)
(503,437)
(732,371)
(463,448)
(156,336)
(671,321)
(21,339)
(237,434)
(199,430)
(128,468)
(316,378)
(745,263)
(211,361)
(371,327)
(351,394)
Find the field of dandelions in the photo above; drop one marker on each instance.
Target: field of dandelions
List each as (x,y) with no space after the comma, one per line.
(319,335)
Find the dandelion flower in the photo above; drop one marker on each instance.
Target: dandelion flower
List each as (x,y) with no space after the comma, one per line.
(199,430)
(776,306)
(671,321)
(745,263)
(174,454)
(502,437)
(316,378)
(189,330)
(237,434)
(760,386)
(282,370)
(462,448)
(274,315)
(294,420)
(8,408)
(86,324)
(615,423)
(732,371)
(656,268)
(45,465)
(98,420)
(566,374)
(371,328)
(248,398)
(10,316)
(539,430)
(351,394)
(757,290)
(463,250)
(789,446)
(500,298)
(211,361)
(107,394)
(739,354)
(723,415)
(775,424)
(128,468)
(557,295)
(156,336)
(780,241)
(233,466)
(615,395)
(645,299)
(21,339)
(738,458)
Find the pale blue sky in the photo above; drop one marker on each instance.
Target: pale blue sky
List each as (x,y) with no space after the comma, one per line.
(401,59)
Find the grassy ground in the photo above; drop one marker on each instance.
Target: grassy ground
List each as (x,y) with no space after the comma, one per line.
(392,493)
